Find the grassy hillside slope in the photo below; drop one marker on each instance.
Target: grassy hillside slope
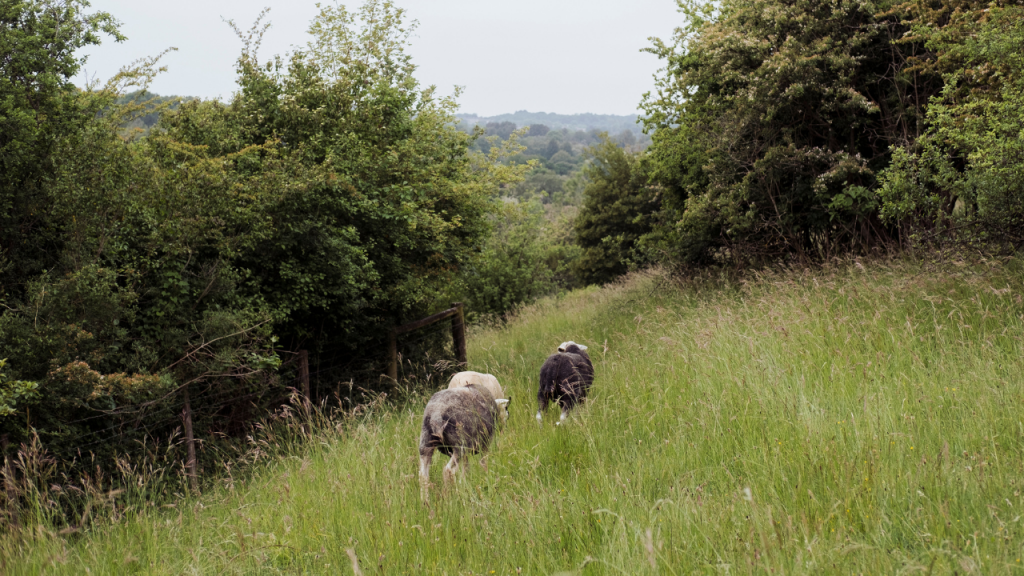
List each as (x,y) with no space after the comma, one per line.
(857,419)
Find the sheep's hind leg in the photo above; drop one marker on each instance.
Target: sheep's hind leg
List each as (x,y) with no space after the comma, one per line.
(565,406)
(425,460)
(451,469)
(542,404)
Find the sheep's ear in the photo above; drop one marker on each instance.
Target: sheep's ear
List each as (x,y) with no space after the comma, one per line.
(501,401)
(582,347)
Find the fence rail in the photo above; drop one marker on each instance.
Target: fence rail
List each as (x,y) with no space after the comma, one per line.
(195,400)
(458,316)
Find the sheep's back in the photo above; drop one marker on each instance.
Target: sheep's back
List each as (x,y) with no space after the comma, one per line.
(488,381)
(584,366)
(583,363)
(566,373)
(459,417)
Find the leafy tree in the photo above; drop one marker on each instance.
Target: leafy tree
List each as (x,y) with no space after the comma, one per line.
(13,392)
(512,267)
(610,123)
(561,156)
(616,212)
(531,253)
(677,164)
(553,148)
(150,106)
(69,189)
(625,139)
(966,169)
(790,107)
(329,200)
(38,107)
(501,129)
(386,204)
(540,184)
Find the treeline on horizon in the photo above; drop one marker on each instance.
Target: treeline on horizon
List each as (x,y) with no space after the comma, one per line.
(610,123)
(150,246)
(147,109)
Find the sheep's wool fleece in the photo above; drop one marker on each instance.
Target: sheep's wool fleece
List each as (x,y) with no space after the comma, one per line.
(487,381)
(565,377)
(460,418)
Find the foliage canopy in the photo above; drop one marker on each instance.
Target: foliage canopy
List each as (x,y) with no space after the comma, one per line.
(331,198)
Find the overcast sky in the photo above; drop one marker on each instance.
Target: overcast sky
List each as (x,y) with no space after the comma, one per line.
(563,56)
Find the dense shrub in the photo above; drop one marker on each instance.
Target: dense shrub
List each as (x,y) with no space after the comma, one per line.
(616,211)
(771,121)
(330,199)
(788,129)
(38,105)
(511,268)
(530,253)
(964,178)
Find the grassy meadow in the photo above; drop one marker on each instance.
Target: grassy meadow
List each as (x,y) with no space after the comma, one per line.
(862,418)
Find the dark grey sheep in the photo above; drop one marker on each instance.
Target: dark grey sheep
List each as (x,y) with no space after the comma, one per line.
(457,422)
(565,377)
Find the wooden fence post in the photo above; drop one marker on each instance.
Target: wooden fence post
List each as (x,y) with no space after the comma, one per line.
(190,441)
(304,375)
(458,316)
(393,355)
(459,333)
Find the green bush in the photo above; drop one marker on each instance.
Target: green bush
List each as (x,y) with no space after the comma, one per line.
(771,121)
(13,392)
(965,171)
(616,212)
(329,200)
(529,254)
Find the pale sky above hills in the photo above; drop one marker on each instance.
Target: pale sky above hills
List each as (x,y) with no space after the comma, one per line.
(564,56)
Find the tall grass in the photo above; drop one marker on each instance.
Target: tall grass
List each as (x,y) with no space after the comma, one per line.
(861,418)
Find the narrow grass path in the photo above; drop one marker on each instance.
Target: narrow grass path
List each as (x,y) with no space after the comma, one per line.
(859,419)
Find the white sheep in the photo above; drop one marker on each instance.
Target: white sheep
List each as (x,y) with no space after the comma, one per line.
(486,380)
(457,422)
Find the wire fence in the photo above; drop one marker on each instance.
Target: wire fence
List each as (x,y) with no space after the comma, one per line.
(210,413)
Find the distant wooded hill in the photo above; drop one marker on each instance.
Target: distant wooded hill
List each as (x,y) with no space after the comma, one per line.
(558,143)
(150,102)
(602,122)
